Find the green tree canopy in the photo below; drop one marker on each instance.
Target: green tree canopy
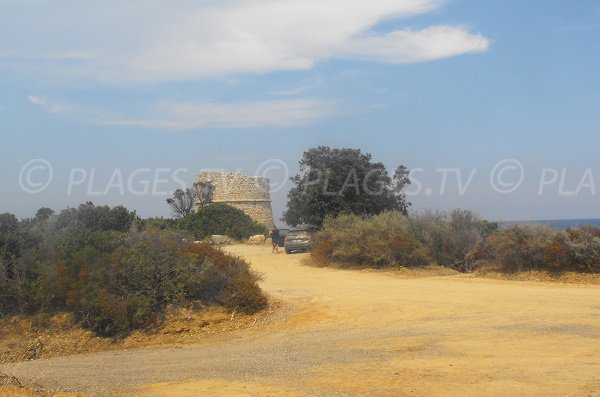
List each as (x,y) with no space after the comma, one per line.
(44,213)
(222,219)
(336,181)
(98,218)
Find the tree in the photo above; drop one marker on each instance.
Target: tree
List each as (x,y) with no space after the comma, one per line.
(336,181)
(183,201)
(44,213)
(97,218)
(400,181)
(10,244)
(204,193)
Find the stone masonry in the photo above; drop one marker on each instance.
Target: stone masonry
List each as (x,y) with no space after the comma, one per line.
(247,193)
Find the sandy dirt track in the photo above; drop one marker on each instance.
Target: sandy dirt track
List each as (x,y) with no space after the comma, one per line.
(357,333)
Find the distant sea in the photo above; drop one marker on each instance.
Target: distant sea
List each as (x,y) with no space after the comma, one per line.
(556,223)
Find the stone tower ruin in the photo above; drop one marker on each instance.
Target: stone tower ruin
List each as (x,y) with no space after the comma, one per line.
(247,193)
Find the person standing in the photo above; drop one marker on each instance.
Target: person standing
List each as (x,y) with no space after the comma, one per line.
(275,240)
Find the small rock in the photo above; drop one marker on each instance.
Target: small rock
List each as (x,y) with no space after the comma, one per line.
(258,239)
(219,240)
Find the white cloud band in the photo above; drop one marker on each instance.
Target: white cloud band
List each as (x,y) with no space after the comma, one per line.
(160,40)
(186,115)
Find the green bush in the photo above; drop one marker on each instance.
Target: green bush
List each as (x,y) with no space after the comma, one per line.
(534,247)
(451,237)
(148,273)
(113,280)
(521,247)
(457,239)
(219,278)
(379,241)
(221,219)
(391,238)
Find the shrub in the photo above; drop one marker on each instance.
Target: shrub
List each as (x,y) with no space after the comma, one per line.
(142,279)
(221,219)
(113,280)
(584,249)
(217,277)
(574,250)
(389,239)
(521,247)
(451,238)
(379,241)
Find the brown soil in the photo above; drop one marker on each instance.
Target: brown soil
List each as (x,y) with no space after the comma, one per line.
(356,333)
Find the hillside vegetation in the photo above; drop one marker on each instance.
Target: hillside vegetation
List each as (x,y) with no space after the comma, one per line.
(458,239)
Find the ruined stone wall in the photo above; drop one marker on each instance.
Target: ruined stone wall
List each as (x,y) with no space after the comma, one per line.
(247,193)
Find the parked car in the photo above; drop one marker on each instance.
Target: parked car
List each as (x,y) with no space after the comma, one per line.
(299,240)
(282,235)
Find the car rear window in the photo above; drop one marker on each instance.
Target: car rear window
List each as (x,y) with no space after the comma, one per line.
(299,233)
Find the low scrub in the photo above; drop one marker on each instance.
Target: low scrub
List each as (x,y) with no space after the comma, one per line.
(451,238)
(534,247)
(458,240)
(133,288)
(380,241)
(393,239)
(113,280)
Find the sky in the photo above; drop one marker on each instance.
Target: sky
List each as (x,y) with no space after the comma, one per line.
(494,106)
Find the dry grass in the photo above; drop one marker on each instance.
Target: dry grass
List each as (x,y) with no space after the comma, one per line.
(401,271)
(25,338)
(538,275)
(490,272)
(12,391)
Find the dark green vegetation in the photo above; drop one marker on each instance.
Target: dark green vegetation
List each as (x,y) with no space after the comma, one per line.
(343,181)
(458,239)
(221,219)
(114,271)
(210,218)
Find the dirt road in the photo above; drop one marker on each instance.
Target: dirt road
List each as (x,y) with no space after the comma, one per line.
(355,333)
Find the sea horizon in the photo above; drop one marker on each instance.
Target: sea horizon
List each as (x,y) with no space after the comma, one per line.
(556,223)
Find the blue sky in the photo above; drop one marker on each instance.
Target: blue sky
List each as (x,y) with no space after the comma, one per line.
(118,95)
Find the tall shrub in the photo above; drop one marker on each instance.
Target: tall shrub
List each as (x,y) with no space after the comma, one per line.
(222,219)
(379,241)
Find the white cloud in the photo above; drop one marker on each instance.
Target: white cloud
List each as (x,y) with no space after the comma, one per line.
(51,107)
(186,115)
(37,100)
(306,85)
(408,46)
(166,40)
